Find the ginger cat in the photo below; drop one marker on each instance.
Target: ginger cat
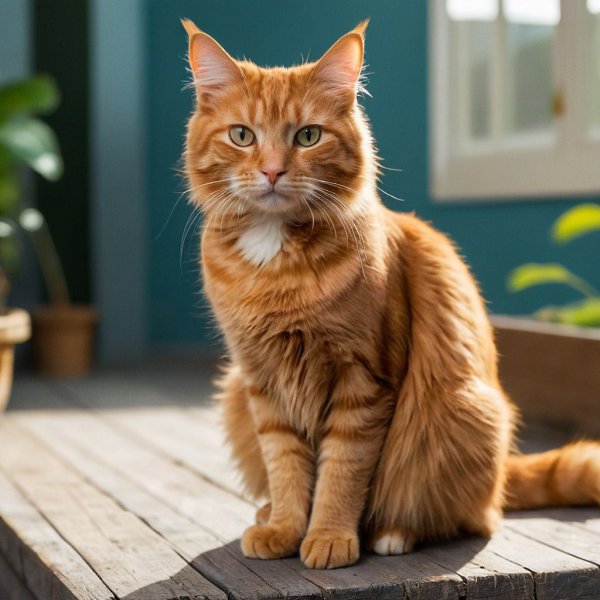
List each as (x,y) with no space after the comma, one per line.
(361,397)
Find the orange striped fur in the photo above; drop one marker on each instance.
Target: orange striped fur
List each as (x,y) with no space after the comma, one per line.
(361,396)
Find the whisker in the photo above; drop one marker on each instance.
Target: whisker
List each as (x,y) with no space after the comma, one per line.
(380,166)
(341,208)
(390,195)
(333,183)
(192,220)
(303,200)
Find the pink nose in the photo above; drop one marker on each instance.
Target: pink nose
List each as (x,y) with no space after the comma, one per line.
(272,173)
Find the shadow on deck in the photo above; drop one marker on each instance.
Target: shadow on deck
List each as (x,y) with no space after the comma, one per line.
(118,487)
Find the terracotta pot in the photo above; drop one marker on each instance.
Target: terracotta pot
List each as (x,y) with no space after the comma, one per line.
(63,339)
(15,328)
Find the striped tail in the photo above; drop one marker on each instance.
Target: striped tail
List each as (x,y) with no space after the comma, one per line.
(567,476)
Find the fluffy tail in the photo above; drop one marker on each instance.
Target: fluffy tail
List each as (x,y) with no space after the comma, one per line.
(566,476)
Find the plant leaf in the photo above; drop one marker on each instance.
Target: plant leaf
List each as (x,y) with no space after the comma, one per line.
(583,314)
(576,222)
(36,95)
(10,191)
(532,274)
(34,143)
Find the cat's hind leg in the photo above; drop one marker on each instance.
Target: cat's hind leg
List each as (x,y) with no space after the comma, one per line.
(441,471)
(391,541)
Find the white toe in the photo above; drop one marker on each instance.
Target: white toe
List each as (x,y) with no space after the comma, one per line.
(389,543)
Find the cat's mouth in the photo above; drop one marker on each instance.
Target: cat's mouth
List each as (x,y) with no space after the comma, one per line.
(272,200)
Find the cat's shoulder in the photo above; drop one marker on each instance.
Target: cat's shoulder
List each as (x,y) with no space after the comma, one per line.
(414,234)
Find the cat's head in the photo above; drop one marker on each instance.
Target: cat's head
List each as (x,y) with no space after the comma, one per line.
(291,141)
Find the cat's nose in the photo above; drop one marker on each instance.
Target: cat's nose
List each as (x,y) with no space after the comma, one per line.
(272,173)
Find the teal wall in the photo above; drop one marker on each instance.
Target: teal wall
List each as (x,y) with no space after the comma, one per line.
(494,236)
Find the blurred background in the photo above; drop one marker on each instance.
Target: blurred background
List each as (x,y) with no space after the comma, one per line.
(489,108)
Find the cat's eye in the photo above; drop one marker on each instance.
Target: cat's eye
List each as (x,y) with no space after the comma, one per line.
(241,136)
(308,136)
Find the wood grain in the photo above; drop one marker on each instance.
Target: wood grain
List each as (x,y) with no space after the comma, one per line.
(127,555)
(558,534)
(555,573)
(189,435)
(141,502)
(39,556)
(80,441)
(486,574)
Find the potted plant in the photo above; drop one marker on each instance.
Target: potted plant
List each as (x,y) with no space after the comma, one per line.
(550,365)
(63,332)
(25,140)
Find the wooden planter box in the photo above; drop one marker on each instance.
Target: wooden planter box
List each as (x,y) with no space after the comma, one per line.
(552,372)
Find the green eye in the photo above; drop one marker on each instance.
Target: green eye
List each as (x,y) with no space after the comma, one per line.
(241,136)
(308,136)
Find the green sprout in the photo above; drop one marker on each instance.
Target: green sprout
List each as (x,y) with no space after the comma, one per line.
(575,223)
(25,141)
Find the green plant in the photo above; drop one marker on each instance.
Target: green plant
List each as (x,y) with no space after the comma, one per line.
(25,141)
(576,222)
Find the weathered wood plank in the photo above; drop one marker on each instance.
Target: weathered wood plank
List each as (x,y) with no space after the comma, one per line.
(388,577)
(555,573)
(11,587)
(584,517)
(510,565)
(82,441)
(218,511)
(558,534)
(486,574)
(191,441)
(279,574)
(121,549)
(73,440)
(223,568)
(198,445)
(48,565)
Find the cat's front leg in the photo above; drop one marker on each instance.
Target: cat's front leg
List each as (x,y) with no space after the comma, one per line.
(353,436)
(290,467)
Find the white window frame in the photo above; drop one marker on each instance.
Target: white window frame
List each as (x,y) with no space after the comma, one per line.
(517,168)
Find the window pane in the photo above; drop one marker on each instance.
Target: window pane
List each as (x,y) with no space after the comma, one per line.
(529,73)
(479,50)
(593,6)
(472,10)
(594,73)
(532,12)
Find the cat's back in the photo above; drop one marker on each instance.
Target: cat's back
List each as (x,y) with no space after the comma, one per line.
(441,291)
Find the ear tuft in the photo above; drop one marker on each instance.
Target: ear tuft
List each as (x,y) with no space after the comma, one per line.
(190,27)
(361,28)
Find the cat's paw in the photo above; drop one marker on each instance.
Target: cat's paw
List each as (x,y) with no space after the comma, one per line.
(268,541)
(263,514)
(392,541)
(330,548)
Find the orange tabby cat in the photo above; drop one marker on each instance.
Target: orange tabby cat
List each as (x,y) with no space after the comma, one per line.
(361,394)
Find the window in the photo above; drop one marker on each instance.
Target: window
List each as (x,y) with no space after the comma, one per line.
(515,98)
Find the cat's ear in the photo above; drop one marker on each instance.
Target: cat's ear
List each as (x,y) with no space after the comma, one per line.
(212,67)
(339,68)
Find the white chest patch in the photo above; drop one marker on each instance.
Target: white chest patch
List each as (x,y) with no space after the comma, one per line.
(262,240)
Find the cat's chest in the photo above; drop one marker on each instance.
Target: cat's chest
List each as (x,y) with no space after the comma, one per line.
(297,367)
(262,240)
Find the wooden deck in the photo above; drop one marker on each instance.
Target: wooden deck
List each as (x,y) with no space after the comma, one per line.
(119,487)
